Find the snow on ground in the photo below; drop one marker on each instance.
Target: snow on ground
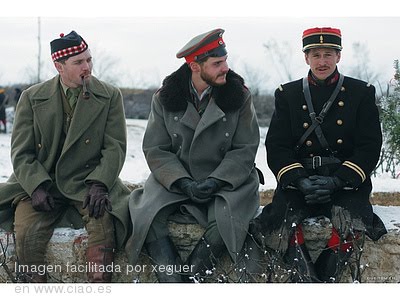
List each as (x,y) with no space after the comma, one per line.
(136,171)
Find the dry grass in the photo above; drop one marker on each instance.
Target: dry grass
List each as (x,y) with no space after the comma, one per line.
(376,199)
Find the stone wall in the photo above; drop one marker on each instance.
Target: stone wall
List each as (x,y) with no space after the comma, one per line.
(380,261)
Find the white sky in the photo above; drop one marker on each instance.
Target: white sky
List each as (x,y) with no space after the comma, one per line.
(143,40)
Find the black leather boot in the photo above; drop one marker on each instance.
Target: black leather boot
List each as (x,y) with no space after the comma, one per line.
(330,264)
(250,264)
(204,258)
(299,260)
(164,254)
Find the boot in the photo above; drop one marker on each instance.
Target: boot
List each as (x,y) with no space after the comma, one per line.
(203,258)
(298,258)
(163,253)
(331,264)
(250,261)
(99,257)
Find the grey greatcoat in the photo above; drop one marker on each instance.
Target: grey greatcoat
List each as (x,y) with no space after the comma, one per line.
(178,143)
(94,148)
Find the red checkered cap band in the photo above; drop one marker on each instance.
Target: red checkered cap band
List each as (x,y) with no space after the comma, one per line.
(69,51)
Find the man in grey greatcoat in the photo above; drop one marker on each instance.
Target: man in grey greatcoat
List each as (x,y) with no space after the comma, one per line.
(200,145)
(68,147)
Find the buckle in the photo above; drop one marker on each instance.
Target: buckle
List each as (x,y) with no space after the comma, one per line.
(316,162)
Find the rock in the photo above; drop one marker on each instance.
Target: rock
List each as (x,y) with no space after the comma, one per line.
(66,256)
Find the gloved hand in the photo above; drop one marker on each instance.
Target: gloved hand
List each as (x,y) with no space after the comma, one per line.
(207,187)
(320,196)
(305,185)
(330,183)
(186,186)
(326,185)
(97,200)
(42,200)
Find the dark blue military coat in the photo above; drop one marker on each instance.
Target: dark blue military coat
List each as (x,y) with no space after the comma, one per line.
(352,130)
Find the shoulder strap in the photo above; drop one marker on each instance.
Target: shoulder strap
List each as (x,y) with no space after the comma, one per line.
(318,120)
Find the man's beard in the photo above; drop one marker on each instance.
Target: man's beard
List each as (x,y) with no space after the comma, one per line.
(209,80)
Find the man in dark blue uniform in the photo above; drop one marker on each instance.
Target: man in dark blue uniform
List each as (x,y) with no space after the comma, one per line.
(323,142)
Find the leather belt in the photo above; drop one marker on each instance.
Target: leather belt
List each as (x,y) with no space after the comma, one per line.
(318,161)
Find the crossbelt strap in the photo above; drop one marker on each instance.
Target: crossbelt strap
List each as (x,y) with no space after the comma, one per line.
(317,120)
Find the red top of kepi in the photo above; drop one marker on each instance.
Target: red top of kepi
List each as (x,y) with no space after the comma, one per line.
(322,37)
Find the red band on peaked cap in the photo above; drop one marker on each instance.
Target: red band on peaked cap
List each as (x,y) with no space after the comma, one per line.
(210,46)
(206,44)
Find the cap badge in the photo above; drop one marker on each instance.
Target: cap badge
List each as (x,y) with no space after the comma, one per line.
(321,39)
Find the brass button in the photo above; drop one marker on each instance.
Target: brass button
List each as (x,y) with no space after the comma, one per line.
(227,134)
(339,122)
(341,103)
(305,125)
(224,119)
(339,141)
(87,141)
(311,155)
(308,143)
(304,107)
(39,146)
(175,135)
(176,118)
(342,89)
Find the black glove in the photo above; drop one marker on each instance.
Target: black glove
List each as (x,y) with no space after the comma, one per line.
(197,192)
(326,186)
(320,196)
(330,183)
(97,200)
(42,200)
(186,186)
(207,187)
(305,185)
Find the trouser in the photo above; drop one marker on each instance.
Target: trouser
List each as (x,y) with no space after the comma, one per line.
(33,230)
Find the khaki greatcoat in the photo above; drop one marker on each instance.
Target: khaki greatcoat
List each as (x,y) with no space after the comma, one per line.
(94,148)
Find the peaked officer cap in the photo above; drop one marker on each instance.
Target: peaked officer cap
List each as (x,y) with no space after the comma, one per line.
(209,44)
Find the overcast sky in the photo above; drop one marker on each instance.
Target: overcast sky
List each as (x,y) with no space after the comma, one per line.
(142,41)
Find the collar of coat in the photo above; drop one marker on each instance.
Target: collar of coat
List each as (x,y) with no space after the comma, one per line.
(51,87)
(175,94)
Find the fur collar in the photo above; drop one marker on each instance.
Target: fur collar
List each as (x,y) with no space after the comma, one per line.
(174,93)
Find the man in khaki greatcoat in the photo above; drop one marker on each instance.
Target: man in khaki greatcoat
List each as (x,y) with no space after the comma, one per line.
(68,147)
(200,144)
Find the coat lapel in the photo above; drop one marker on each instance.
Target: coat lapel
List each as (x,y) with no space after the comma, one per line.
(86,112)
(191,117)
(48,111)
(211,115)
